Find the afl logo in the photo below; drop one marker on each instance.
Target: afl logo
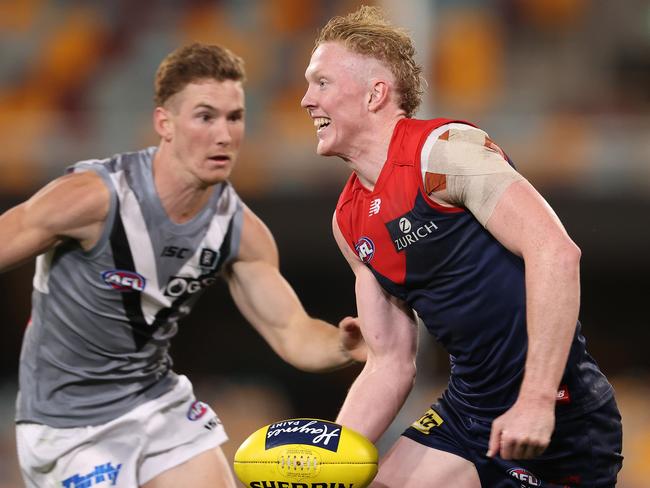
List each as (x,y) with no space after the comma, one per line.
(122,280)
(526,477)
(196,410)
(404,225)
(365,249)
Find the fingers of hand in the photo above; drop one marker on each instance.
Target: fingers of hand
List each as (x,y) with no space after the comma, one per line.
(349,323)
(521,446)
(495,440)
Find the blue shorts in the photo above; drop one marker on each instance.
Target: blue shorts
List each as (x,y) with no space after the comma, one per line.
(584,451)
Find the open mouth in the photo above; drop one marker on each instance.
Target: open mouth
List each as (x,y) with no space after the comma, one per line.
(321,122)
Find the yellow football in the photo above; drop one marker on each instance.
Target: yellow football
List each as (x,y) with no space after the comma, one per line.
(306,453)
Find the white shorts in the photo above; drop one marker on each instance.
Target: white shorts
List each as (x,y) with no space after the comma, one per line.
(125,452)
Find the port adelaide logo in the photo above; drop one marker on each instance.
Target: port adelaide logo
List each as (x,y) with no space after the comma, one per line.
(407,230)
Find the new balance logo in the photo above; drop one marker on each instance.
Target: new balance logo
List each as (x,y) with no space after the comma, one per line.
(374,207)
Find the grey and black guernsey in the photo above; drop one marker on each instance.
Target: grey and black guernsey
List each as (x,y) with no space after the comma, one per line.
(102,320)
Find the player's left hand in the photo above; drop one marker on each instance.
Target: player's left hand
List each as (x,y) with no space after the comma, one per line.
(523,432)
(352,343)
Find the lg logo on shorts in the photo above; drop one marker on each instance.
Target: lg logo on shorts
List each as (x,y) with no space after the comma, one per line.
(181,285)
(429,421)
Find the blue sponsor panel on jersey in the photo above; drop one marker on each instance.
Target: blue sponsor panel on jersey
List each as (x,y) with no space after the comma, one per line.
(408,229)
(304,431)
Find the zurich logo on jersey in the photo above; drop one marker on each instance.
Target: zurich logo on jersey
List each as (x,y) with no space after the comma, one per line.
(408,230)
(123,280)
(365,249)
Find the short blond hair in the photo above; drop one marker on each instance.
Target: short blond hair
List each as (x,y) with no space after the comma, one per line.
(195,62)
(368,33)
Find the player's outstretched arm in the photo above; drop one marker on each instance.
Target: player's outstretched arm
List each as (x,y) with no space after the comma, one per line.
(524,223)
(71,207)
(390,331)
(270,304)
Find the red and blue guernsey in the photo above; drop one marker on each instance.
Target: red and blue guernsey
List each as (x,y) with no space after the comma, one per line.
(466,287)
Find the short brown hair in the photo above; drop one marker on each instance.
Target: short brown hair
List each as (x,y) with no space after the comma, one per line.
(195,62)
(368,33)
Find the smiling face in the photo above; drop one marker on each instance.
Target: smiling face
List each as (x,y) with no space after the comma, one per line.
(203,125)
(337,96)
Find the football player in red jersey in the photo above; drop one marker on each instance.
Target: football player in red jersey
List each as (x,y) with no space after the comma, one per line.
(435,219)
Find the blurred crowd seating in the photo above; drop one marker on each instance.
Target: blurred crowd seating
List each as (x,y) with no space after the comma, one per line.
(562,85)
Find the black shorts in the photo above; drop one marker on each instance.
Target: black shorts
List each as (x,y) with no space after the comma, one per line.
(584,451)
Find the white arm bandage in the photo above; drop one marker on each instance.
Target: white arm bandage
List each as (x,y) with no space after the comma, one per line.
(468,169)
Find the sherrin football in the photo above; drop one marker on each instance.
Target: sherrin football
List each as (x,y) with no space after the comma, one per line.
(306,453)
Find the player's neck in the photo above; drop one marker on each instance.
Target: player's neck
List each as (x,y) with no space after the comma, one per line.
(371,152)
(182,196)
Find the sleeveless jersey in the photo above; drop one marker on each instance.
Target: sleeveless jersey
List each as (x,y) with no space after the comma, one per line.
(464,285)
(97,345)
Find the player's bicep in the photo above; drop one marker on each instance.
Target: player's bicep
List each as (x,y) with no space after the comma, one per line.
(257,242)
(388,325)
(21,238)
(258,288)
(524,222)
(344,247)
(73,206)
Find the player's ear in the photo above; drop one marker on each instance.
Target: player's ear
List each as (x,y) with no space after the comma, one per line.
(378,95)
(162,123)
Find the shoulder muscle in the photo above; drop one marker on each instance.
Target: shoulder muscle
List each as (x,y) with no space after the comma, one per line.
(70,206)
(462,166)
(257,242)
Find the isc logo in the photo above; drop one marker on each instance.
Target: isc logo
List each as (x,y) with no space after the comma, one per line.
(174,252)
(122,280)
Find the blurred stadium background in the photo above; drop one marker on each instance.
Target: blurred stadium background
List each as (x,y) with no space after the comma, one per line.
(562,85)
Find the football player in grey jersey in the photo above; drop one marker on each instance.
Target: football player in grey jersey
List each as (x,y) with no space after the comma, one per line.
(125,246)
